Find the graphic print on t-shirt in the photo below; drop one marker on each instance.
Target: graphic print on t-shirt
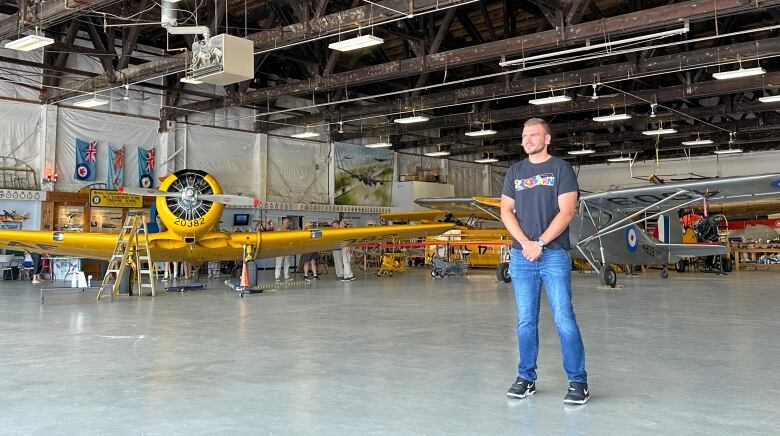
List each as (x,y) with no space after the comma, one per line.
(547,179)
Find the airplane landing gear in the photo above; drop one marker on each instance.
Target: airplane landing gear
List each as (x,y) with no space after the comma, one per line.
(680,265)
(502,272)
(664,273)
(607,276)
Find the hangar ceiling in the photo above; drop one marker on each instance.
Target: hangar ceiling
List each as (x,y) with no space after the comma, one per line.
(653,60)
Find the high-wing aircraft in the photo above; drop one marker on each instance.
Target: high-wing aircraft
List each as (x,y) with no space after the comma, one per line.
(606,228)
(190,203)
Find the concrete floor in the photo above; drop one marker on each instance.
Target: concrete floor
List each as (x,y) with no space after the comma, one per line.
(696,354)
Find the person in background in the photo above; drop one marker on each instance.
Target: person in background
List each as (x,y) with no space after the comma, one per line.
(338,262)
(33,261)
(309,260)
(283,261)
(174,274)
(346,258)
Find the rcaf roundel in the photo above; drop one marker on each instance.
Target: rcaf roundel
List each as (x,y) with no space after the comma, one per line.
(632,238)
(82,172)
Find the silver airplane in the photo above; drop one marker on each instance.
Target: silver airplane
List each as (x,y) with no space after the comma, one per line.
(606,227)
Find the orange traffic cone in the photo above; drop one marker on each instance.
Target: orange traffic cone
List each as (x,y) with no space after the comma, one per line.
(245,277)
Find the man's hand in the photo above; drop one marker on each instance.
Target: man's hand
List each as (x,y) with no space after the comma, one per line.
(531,250)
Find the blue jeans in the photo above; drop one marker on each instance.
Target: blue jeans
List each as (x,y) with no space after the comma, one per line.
(553,270)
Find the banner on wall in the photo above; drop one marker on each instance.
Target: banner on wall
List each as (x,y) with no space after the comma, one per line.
(146,167)
(364,176)
(86,155)
(116,167)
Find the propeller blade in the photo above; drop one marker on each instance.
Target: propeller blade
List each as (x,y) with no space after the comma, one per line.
(147,192)
(230,200)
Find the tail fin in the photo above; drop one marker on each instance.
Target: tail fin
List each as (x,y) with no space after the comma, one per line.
(669,230)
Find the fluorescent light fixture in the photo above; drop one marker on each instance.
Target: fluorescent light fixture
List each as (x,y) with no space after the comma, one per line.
(580,152)
(728,151)
(698,141)
(659,132)
(356,43)
(619,159)
(29,42)
(486,160)
(613,117)
(411,120)
(437,153)
(190,80)
(93,101)
(379,145)
(741,72)
(769,98)
(550,100)
(306,134)
(482,132)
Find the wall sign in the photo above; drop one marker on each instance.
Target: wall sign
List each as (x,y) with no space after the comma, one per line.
(103,198)
(21,194)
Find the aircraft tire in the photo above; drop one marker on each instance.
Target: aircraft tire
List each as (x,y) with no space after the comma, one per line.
(607,276)
(502,272)
(664,273)
(680,266)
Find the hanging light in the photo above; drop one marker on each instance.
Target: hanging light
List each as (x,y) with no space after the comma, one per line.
(698,141)
(482,132)
(612,117)
(93,101)
(550,100)
(411,120)
(306,134)
(29,43)
(380,144)
(356,43)
(730,150)
(769,98)
(741,72)
(487,158)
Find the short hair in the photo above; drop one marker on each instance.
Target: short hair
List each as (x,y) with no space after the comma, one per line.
(334,222)
(539,122)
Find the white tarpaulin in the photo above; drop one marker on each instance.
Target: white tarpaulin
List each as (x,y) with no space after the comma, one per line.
(230,156)
(20,81)
(103,128)
(19,130)
(468,178)
(417,165)
(497,175)
(297,171)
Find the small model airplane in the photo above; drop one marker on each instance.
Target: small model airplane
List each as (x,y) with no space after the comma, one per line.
(605,230)
(190,203)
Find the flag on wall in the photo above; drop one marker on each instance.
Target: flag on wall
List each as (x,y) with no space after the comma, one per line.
(146,167)
(116,167)
(86,155)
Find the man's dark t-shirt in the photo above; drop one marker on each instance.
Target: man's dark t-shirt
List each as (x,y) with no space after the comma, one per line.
(535,188)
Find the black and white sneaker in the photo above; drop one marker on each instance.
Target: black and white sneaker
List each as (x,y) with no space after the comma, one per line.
(521,388)
(578,393)
(347,279)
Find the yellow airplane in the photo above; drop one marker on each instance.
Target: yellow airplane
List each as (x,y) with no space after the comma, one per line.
(190,203)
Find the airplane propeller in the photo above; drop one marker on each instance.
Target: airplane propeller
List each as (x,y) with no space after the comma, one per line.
(230,200)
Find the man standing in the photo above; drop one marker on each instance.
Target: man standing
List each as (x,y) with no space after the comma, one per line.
(338,262)
(283,260)
(346,258)
(537,204)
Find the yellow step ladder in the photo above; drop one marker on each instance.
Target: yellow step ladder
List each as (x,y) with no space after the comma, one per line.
(131,250)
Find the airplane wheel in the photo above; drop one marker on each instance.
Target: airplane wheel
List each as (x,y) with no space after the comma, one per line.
(727,267)
(608,277)
(390,273)
(680,266)
(433,273)
(664,273)
(502,272)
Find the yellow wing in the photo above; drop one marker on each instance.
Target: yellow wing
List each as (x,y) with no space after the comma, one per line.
(167,246)
(90,245)
(301,241)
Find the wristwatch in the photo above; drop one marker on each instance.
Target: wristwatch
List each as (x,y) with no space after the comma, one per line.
(540,243)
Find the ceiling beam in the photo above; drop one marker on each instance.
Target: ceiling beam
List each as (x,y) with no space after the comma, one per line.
(614,26)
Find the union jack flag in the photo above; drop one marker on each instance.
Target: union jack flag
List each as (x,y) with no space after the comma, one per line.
(91,152)
(150,159)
